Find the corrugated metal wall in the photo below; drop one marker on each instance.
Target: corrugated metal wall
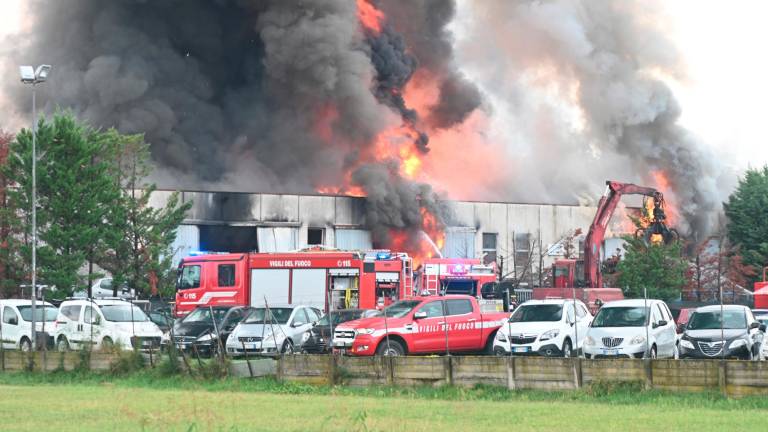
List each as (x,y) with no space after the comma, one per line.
(353,239)
(187,240)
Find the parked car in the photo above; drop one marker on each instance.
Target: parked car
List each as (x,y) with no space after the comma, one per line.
(197,331)
(163,320)
(763,318)
(16,323)
(734,333)
(425,325)
(103,323)
(271,331)
(681,317)
(544,327)
(317,340)
(632,328)
(103,288)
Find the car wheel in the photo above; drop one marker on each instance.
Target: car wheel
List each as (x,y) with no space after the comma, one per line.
(567,348)
(391,349)
(499,351)
(62,345)
(287,347)
(654,354)
(676,353)
(107,343)
(25,345)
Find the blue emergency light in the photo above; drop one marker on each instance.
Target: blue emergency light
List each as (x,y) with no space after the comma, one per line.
(383,255)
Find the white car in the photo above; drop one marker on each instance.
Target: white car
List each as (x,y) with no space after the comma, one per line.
(763,318)
(103,288)
(280,331)
(634,329)
(104,323)
(16,322)
(544,327)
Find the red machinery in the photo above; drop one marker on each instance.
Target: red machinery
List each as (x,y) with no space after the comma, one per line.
(585,275)
(324,279)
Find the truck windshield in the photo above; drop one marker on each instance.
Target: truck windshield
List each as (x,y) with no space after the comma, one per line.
(401,308)
(536,313)
(635,316)
(123,313)
(50,313)
(277,316)
(734,319)
(189,277)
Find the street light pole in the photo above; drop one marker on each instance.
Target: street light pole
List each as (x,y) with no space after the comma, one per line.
(34,77)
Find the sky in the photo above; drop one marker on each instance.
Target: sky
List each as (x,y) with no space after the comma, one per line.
(724,94)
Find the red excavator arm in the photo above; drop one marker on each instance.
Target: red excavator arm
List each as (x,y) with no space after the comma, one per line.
(605,208)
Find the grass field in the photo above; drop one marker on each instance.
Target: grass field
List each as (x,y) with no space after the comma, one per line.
(67,402)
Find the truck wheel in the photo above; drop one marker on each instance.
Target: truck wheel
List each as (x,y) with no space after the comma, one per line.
(489,350)
(392,349)
(25,345)
(62,345)
(107,344)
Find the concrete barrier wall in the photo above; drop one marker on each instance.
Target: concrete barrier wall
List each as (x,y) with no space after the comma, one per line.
(736,378)
(52,360)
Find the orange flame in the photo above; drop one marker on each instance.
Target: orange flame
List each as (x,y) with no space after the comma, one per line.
(663,185)
(370,17)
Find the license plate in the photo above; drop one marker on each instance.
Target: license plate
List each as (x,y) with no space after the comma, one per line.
(610,352)
(521,349)
(250,346)
(339,344)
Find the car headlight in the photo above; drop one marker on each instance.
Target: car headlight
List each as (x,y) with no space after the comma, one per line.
(551,334)
(501,337)
(637,340)
(686,344)
(305,337)
(589,341)
(365,331)
(205,338)
(737,343)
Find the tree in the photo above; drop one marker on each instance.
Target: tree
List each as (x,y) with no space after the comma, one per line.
(11,264)
(139,249)
(747,211)
(659,269)
(73,192)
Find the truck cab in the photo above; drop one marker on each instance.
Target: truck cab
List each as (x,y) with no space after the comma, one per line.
(211,279)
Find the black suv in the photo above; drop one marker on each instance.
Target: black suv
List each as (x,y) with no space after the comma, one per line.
(734,333)
(196,333)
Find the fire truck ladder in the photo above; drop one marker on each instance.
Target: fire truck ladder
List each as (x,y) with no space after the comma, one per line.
(407,277)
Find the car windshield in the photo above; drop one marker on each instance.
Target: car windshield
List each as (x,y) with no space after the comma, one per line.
(50,313)
(401,308)
(624,316)
(204,315)
(123,313)
(534,313)
(276,316)
(734,319)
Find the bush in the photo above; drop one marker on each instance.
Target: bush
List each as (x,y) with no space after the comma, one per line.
(127,362)
(611,388)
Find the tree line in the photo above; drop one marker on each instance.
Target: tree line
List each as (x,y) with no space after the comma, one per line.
(93,212)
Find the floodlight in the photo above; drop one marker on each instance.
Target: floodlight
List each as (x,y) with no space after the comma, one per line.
(27,74)
(42,73)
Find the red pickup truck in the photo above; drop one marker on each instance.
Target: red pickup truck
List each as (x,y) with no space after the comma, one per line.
(418,326)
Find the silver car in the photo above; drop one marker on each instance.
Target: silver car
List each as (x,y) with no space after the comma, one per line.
(272,331)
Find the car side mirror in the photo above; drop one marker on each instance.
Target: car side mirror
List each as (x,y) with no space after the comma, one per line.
(229,328)
(419,315)
(762,327)
(754,325)
(13,321)
(681,328)
(297,324)
(96,320)
(660,323)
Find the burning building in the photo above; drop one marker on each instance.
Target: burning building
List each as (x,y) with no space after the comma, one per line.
(393,102)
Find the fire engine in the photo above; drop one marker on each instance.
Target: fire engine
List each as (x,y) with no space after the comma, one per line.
(330,280)
(453,276)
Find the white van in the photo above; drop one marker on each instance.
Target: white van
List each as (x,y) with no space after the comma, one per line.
(634,329)
(104,323)
(16,322)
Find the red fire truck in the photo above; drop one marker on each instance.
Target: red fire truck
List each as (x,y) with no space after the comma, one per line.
(453,276)
(324,279)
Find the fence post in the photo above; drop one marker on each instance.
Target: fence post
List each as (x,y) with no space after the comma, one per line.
(279,371)
(448,369)
(332,369)
(722,377)
(390,365)
(511,384)
(648,367)
(577,379)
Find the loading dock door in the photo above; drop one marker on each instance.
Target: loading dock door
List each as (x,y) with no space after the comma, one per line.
(271,284)
(308,287)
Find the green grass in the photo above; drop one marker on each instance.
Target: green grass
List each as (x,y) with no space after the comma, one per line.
(145,401)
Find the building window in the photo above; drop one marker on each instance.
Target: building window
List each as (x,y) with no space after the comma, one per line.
(315,236)
(522,255)
(489,247)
